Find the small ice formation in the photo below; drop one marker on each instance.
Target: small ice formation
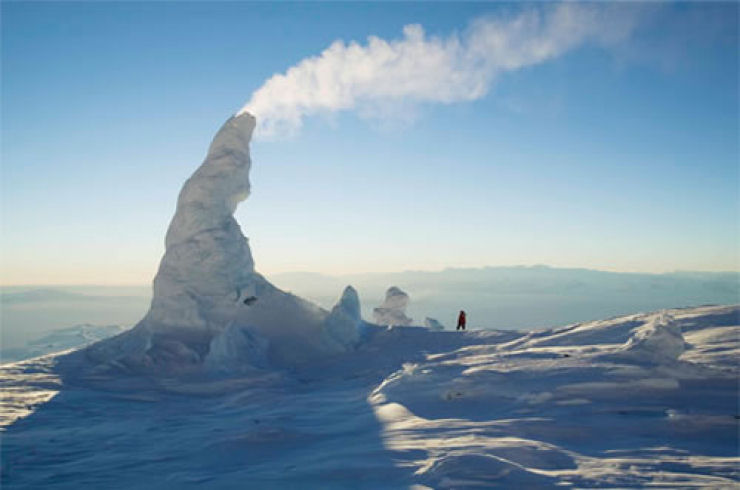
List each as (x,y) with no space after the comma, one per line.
(343,323)
(433,324)
(210,309)
(393,309)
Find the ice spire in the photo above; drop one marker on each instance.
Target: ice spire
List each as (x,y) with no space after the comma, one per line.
(207,262)
(210,309)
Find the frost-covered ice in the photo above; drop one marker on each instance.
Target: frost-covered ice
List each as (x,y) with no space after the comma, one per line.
(344,322)
(211,310)
(393,309)
(587,405)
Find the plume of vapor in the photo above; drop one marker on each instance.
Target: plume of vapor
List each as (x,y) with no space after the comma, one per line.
(418,68)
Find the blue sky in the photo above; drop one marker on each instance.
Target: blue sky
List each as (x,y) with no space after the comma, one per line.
(622,158)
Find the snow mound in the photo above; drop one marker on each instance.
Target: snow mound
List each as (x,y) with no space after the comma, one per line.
(658,339)
(211,311)
(393,309)
(433,324)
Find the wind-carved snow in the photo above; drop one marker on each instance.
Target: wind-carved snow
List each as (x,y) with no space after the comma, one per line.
(210,309)
(393,309)
(626,402)
(658,339)
(588,405)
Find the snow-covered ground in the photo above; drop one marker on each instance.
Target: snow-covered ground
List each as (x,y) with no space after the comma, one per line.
(636,401)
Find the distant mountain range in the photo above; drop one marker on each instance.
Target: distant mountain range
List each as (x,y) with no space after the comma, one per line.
(494,297)
(523,296)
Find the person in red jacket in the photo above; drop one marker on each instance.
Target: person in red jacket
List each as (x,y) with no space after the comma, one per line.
(461,321)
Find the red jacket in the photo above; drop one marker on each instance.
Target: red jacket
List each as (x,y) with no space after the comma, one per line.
(461,318)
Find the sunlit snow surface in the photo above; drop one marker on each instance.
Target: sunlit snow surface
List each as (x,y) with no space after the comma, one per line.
(617,403)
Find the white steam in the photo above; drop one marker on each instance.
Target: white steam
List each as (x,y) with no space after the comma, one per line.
(418,68)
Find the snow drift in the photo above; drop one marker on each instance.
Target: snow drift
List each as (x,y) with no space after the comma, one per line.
(210,309)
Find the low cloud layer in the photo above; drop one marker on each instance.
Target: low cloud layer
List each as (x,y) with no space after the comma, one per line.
(425,69)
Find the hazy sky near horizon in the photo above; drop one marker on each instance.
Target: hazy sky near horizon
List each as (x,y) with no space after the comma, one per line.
(621,157)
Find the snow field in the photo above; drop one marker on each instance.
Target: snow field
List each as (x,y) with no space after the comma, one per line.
(590,405)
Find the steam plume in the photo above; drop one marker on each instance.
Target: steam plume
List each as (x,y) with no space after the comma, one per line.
(418,68)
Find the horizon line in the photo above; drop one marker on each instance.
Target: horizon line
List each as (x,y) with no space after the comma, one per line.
(405,271)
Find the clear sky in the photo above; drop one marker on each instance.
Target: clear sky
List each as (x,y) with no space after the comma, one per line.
(621,158)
